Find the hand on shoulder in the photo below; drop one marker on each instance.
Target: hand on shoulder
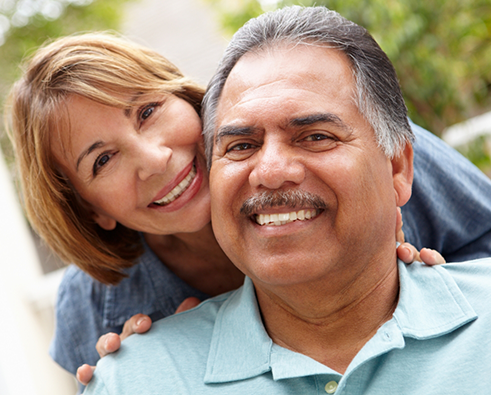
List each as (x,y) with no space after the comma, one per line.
(111,342)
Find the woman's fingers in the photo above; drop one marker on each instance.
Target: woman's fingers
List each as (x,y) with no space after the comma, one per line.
(187,304)
(139,323)
(408,253)
(431,257)
(399,223)
(107,344)
(85,373)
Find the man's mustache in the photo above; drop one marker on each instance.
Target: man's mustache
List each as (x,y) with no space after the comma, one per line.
(289,198)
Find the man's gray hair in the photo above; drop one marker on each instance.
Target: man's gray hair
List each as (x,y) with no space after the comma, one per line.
(378,94)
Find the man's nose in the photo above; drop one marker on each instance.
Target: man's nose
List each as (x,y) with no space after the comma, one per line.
(151,159)
(276,165)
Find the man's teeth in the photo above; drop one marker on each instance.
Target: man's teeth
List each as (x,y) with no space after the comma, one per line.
(178,190)
(285,218)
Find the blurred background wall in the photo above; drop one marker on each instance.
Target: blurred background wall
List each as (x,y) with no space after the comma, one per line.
(440,49)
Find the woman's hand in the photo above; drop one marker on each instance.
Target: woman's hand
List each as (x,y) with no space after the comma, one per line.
(111,342)
(408,253)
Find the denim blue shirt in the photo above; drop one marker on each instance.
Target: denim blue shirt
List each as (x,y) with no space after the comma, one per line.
(450,211)
(437,342)
(87,309)
(450,206)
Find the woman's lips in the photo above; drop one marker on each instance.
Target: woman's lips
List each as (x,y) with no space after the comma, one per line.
(177,186)
(179,189)
(178,193)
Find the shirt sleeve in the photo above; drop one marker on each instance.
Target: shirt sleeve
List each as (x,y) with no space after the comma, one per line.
(450,206)
(78,320)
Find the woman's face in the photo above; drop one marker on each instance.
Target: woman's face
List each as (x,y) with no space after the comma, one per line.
(142,167)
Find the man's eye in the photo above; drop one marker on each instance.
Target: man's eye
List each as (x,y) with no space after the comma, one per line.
(316,137)
(100,162)
(241,147)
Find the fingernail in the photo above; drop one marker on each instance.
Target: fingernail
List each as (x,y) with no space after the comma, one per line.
(138,323)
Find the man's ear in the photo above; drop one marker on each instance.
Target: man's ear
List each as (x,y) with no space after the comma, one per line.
(402,174)
(104,221)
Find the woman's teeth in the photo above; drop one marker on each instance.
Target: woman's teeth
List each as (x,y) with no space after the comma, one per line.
(285,218)
(178,190)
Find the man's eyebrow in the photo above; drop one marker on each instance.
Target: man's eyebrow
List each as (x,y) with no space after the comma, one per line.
(312,119)
(229,130)
(93,147)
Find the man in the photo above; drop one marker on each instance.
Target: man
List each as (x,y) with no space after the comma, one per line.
(310,156)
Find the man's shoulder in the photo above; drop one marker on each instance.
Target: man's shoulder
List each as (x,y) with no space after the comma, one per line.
(471,280)
(472,277)
(193,324)
(436,300)
(172,346)
(468,270)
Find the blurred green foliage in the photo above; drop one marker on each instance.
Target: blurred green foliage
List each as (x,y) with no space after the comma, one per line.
(441,49)
(478,151)
(21,41)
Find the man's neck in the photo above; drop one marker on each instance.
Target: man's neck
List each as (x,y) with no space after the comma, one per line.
(330,328)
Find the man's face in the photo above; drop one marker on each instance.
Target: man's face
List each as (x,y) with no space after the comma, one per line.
(290,135)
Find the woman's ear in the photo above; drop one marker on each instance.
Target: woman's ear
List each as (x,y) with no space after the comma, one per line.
(104,221)
(402,174)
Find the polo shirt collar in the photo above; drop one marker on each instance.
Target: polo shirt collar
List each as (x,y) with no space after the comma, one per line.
(430,302)
(240,346)
(430,305)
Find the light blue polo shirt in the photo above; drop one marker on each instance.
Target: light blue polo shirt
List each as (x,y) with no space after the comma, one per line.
(437,342)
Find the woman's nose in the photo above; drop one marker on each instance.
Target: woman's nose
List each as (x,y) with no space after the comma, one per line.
(152,159)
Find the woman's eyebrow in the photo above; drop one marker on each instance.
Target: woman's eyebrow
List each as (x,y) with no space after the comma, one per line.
(88,151)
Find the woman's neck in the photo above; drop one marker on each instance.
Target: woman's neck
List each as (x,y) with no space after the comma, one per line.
(197,259)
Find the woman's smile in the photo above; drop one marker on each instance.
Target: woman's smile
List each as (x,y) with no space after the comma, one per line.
(143,169)
(179,189)
(182,193)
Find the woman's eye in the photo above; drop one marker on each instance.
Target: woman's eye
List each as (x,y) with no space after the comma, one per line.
(146,113)
(100,162)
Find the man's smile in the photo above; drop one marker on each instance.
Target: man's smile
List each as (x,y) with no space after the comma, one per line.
(285,218)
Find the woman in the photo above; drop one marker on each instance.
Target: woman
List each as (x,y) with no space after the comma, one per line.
(108,143)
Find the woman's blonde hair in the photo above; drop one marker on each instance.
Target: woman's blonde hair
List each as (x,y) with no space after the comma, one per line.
(110,70)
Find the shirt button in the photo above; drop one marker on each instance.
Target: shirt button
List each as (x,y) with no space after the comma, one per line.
(331,387)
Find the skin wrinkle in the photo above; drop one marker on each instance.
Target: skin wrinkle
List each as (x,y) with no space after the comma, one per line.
(343,309)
